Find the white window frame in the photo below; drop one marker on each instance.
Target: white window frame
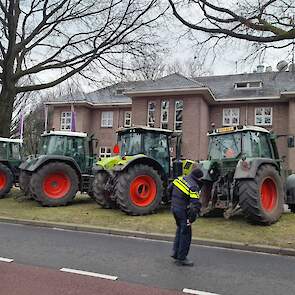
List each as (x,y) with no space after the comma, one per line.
(178,122)
(107,153)
(263,116)
(64,125)
(151,124)
(126,119)
(164,121)
(107,118)
(231,116)
(248,85)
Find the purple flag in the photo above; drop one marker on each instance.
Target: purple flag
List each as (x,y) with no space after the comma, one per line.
(73,117)
(21,125)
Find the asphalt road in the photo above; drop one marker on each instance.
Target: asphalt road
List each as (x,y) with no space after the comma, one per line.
(146,262)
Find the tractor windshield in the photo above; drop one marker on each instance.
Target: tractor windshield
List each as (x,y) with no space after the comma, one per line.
(130,144)
(3,150)
(52,145)
(15,151)
(225,146)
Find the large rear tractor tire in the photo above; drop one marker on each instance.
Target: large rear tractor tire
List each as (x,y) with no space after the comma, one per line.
(292,207)
(262,198)
(101,196)
(139,190)
(24,182)
(55,184)
(6,180)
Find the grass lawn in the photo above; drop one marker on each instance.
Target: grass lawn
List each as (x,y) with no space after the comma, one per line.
(87,212)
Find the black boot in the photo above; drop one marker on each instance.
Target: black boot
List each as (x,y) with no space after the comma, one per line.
(184,262)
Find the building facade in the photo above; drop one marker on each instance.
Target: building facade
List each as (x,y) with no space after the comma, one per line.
(188,106)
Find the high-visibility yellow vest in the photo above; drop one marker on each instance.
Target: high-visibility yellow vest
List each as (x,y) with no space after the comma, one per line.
(183,185)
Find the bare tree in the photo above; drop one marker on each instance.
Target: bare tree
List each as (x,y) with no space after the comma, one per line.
(149,65)
(48,41)
(265,23)
(189,68)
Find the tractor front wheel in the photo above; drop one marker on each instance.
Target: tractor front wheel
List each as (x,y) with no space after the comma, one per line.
(101,196)
(262,198)
(6,180)
(139,190)
(55,184)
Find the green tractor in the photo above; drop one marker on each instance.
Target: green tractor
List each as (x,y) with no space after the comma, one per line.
(10,159)
(137,177)
(62,167)
(243,173)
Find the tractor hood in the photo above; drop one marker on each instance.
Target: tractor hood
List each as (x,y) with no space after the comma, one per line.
(114,162)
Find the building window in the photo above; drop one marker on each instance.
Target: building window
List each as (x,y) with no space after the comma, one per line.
(106,119)
(178,115)
(164,114)
(66,121)
(105,152)
(127,119)
(231,117)
(247,85)
(263,116)
(151,114)
(120,91)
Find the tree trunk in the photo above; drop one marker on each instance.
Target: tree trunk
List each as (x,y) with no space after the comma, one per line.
(6,108)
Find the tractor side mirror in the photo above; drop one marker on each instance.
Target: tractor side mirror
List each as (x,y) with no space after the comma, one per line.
(291,142)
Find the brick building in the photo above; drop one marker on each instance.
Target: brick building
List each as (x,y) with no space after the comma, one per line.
(189,106)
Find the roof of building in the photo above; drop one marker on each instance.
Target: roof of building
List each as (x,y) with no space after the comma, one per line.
(173,81)
(113,94)
(240,87)
(272,85)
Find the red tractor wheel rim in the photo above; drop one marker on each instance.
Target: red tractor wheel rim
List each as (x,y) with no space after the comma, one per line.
(3,180)
(56,185)
(268,194)
(143,190)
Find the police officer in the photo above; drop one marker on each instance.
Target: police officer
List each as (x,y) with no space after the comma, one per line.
(185,206)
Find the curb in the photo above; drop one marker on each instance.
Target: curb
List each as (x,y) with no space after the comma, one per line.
(152,236)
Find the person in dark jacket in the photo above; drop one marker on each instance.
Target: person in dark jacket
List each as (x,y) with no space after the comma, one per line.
(185,206)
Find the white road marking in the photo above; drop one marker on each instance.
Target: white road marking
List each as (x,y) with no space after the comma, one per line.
(196,292)
(2,259)
(91,274)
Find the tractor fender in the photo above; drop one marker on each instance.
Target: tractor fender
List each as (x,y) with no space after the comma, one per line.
(253,166)
(36,163)
(290,189)
(142,159)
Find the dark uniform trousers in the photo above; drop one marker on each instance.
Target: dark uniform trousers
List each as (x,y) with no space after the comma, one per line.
(185,205)
(183,235)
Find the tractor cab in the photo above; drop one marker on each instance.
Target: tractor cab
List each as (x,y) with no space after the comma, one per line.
(229,145)
(10,149)
(10,159)
(233,143)
(152,142)
(70,144)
